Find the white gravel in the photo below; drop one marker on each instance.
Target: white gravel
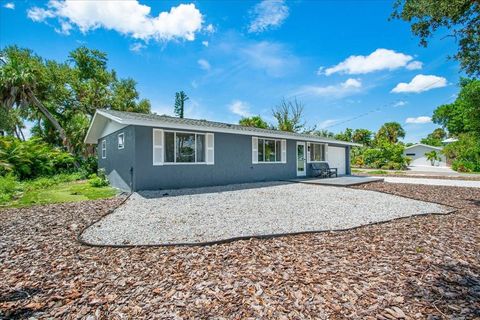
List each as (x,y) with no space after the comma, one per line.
(435,182)
(219,213)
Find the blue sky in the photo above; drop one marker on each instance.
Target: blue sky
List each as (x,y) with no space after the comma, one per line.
(344,60)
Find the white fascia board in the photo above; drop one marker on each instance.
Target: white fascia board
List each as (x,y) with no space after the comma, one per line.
(168,125)
(423,145)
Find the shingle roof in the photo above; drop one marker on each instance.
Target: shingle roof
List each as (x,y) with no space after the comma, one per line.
(133,118)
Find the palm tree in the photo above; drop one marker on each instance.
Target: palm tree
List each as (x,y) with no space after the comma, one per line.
(391,131)
(21,82)
(432,156)
(179,107)
(254,121)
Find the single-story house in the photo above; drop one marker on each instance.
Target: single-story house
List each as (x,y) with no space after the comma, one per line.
(417,153)
(149,151)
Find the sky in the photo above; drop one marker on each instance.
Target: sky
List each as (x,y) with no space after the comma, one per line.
(344,60)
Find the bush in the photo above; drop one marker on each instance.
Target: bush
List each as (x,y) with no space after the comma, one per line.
(32,158)
(385,156)
(98,180)
(465,153)
(8,187)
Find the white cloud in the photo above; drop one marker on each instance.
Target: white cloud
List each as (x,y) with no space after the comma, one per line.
(268,14)
(400,103)
(420,83)
(414,65)
(240,108)
(205,43)
(137,47)
(380,59)
(210,28)
(271,57)
(126,17)
(204,64)
(419,120)
(9,5)
(328,123)
(350,86)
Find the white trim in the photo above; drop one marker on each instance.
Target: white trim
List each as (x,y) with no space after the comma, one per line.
(175,148)
(424,145)
(210,160)
(275,151)
(158,145)
(309,145)
(122,146)
(254,150)
(283,144)
(104,148)
(304,172)
(244,131)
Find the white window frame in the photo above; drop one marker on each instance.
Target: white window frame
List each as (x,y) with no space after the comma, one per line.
(121,146)
(310,149)
(104,149)
(175,148)
(255,151)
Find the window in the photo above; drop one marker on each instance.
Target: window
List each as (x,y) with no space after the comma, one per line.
(317,152)
(269,150)
(411,154)
(121,140)
(183,147)
(104,149)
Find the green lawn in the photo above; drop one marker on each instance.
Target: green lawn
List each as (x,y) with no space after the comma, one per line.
(63,192)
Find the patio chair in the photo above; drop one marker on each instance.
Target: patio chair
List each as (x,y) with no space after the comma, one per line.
(323,170)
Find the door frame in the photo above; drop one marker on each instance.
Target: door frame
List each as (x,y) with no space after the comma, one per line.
(304,172)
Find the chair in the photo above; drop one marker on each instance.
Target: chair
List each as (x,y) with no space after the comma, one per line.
(323,170)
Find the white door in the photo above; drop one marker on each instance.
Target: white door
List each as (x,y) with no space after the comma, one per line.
(336,158)
(301,160)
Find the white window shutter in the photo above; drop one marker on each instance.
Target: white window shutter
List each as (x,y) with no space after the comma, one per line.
(308,152)
(254,150)
(326,152)
(284,151)
(158,147)
(210,148)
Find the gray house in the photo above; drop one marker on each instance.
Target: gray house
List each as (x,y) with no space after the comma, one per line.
(145,152)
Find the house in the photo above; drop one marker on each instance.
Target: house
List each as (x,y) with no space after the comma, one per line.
(417,153)
(148,151)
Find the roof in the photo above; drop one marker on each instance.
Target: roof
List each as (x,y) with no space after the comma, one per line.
(450,140)
(153,120)
(424,145)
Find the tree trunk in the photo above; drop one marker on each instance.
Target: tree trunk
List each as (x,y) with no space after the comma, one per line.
(21,133)
(54,122)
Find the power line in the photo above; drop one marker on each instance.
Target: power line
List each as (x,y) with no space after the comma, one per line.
(393,103)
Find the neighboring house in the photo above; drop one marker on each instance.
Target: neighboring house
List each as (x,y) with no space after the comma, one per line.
(145,152)
(417,153)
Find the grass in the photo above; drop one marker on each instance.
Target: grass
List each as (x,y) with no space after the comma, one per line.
(57,189)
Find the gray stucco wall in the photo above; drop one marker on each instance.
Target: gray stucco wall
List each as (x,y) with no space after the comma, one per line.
(233,164)
(118,162)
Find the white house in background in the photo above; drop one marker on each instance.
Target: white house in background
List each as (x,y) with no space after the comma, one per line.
(419,159)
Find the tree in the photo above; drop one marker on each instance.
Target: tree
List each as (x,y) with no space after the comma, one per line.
(289,115)
(22,83)
(461,116)
(254,121)
(345,135)
(180,98)
(432,156)
(461,17)
(435,138)
(362,136)
(390,132)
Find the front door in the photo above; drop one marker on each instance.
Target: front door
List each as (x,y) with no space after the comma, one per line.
(301,159)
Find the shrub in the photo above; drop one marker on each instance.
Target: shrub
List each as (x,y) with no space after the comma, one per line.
(98,180)
(465,153)
(8,187)
(32,158)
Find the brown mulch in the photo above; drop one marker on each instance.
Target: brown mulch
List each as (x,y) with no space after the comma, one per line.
(419,176)
(425,267)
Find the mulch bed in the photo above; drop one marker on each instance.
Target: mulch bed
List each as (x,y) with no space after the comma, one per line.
(418,176)
(425,267)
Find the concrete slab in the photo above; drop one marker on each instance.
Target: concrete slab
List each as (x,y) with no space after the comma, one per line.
(338,182)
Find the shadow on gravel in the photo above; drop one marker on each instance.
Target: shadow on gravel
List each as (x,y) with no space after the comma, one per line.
(153,194)
(454,293)
(22,312)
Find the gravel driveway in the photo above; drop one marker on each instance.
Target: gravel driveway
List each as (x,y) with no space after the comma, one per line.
(220,213)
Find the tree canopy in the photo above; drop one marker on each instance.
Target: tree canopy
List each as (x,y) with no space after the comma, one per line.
(391,132)
(61,97)
(435,138)
(460,17)
(254,121)
(289,115)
